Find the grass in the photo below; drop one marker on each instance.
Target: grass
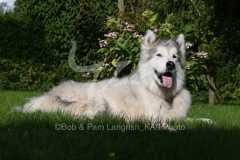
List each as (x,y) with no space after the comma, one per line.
(38,136)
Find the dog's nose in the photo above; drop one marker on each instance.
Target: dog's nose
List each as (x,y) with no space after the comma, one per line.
(170,65)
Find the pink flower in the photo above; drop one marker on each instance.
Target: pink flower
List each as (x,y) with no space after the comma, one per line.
(123,24)
(128,27)
(202,54)
(135,35)
(85,75)
(103,43)
(105,64)
(193,55)
(112,34)
(188,45)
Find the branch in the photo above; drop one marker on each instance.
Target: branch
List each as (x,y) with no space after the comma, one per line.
(196,7)
(131,7)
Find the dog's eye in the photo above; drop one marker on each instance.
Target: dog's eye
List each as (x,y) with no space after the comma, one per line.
(159,55)
(174,56)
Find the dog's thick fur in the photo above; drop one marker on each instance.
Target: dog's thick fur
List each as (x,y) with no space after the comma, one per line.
(155,90)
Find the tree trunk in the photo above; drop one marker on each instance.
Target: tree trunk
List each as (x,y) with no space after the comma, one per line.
(214,97)
(121,9)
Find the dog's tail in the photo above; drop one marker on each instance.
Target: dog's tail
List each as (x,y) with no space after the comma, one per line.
(43,103)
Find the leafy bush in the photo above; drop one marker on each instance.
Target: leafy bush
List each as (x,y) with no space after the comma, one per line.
(67,21)
(121,50)
(196,71)
(22,37)
(232,90)
(40,32)
(122,46)
(28,75)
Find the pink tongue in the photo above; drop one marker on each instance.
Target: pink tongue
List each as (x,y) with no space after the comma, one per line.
(167,81)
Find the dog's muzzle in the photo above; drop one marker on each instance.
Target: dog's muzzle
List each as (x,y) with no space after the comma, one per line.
(166,78)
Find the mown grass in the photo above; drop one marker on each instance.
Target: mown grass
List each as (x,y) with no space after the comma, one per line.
(34,136)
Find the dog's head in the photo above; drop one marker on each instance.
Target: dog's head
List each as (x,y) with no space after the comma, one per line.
(165,57)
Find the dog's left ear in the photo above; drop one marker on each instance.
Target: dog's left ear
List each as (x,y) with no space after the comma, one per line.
(180,40)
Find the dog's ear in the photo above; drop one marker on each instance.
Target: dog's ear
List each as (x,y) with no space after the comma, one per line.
(180,40)
(149,38)
(147,43)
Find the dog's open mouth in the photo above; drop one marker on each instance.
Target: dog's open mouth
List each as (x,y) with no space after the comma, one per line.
(165,79)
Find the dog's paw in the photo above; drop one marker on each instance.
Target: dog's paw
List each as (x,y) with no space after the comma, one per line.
(17,109)
(209,121)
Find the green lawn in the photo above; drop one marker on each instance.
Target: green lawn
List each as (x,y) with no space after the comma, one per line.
(57,136)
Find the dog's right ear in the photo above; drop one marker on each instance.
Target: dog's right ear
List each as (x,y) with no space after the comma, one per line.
(180,40)
(147,43)
(149,38)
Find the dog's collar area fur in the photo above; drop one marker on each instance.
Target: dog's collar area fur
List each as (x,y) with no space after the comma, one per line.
(170,101)
(171,107)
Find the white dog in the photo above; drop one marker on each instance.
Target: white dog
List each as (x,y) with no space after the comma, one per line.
(155,90)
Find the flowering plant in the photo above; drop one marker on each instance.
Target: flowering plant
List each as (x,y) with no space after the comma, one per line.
(121,46)
(121,50)
(196,70)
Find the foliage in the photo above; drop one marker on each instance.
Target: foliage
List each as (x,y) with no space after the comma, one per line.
(42,31)
(121,49)
(65,21)
(122,46)
(203,24)
(23,54)
(28,75)
(232,90)
(196,72)
(31,75)
(21,37)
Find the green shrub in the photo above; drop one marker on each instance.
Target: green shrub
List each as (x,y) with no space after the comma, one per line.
(67,21)
(231,90)
(121,49)
(28,75)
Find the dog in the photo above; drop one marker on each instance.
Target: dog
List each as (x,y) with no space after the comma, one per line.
(154,90)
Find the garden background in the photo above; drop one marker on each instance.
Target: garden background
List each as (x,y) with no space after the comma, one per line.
(39,37)
(36,38)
